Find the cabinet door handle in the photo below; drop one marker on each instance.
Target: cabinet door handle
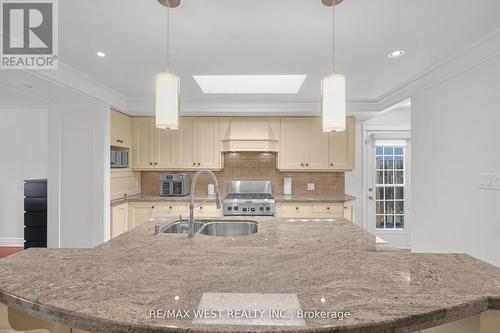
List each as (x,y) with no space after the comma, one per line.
(199,163)
(194,163)
(327,208)
(156,163)
(201,207)
(331,164)
(150,163)
(307,164)
(152,207)
(345,208)
(297,208)
(302,164)
(170,207)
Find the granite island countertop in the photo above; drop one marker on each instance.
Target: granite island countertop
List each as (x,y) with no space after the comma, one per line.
(296,198)
(324,266)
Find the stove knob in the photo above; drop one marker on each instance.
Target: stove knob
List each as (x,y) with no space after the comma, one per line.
(268,208)
(261,208)
(253,209)
(235,207)
(229,208)
(244,209)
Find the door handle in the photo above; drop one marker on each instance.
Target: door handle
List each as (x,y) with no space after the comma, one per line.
(370,197)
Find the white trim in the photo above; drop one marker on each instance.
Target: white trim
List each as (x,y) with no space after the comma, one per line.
(75,81)
(11,242)
(471,56)
(367,137)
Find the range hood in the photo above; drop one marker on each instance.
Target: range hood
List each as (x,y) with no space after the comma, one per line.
(259,134)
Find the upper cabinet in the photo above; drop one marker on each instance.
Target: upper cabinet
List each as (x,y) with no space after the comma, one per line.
(121,130)
(153,147)
(304,147)
(200,141)
(196,144)
(341,147)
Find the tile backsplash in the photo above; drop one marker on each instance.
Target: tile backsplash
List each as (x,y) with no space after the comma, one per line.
(256,166)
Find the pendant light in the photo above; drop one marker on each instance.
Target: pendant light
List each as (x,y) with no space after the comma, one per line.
(333,90)
(167,85)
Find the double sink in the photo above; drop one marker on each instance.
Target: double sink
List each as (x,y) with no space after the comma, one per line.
(217,228)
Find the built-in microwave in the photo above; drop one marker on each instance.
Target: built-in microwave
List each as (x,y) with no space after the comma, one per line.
(174,184)
(119,159)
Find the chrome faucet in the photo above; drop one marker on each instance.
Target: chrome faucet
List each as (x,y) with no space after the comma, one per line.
(191,197)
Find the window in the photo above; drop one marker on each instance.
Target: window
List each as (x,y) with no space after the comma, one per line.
(390,187)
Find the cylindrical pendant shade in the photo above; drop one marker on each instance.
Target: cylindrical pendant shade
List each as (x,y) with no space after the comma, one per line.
(333,103)
(167,101)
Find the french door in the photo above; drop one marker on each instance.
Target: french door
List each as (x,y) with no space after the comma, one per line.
(388,188)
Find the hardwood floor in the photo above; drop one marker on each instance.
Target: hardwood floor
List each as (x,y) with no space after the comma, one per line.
(7,251)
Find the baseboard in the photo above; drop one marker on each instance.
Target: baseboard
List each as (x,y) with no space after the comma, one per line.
(11,242)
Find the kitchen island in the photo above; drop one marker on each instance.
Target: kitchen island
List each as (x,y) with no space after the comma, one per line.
(130,282)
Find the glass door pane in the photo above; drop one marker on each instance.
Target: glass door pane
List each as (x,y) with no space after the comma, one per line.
(390,187)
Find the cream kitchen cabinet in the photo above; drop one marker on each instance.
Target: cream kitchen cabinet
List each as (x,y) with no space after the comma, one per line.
(198,143)
(119,219)
(342,147)
(349,209)
(139,212)
(170,209)
(303,147)
(290,210)
(328,209)
(121,130)
(124,182)
(207,210)
(195,145)
(152,147)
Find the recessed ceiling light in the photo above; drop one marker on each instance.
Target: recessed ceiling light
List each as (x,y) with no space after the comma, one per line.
(250,84)
(101,54)
(396,53)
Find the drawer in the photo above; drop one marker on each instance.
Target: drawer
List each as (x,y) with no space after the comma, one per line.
(35,189)
(207,210)
(170,209)
(35,234)
(28,244)
(35,204)
(35,219)
(328,209)
(296,210)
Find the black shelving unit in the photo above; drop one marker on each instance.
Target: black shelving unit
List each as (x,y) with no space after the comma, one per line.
(35,213)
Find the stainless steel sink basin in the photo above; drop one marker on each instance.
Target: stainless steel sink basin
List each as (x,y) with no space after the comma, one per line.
(229,228)
(181,227)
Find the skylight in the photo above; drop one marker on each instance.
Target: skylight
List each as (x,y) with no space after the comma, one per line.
(250,84)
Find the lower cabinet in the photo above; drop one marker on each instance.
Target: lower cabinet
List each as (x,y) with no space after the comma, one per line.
(316,210)
(139,212)
(170,209)
(127,216)
(349,211)
(119,220)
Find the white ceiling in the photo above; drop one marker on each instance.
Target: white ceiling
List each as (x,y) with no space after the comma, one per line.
(268,37)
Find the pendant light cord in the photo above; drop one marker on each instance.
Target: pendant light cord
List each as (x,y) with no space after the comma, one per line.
(333,35)
(168,39)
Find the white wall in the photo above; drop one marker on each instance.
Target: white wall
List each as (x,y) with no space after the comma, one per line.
(23,155)
(456,137)
(78,175)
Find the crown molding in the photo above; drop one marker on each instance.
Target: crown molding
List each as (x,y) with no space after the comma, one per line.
(475,54)
(77,82)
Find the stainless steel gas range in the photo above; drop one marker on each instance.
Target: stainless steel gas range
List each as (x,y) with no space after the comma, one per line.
(252,198)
